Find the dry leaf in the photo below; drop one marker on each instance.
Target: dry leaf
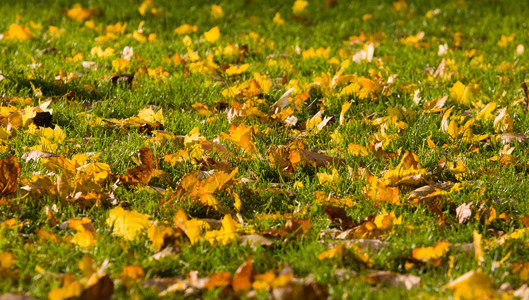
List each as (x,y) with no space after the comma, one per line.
(9,174)
(464,212)
(472,285)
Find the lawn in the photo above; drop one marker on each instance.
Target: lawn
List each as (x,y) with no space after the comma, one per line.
(264,149)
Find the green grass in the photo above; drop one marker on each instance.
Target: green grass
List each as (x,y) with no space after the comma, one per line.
(273,51)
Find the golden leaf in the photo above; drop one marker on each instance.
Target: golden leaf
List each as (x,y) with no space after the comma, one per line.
(242,136)
(472,285)
(19,32)
(158,234)
(431,253)
(212,35)
(127,224)
(299,7)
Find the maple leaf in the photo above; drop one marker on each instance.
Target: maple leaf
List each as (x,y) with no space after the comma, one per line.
(78,13)
(242,136)
(19,32)
(299,7)
(216,11)
(7,262)
(141,174)
(277,20)
(127,224)
(159,234)
(431,254)
(9,174)
(186,29)
(472,285)
(212,35)
(132,274)
(242,279)
(226,234)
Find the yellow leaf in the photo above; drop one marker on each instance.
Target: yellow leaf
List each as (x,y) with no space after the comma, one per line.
(150,116)
(186,29)
(68,291)
(242,136)
(157,235)
(226,234)
(337,252)
(478,250)
(7,261)
(84,239)
(212,35)
(99,52)
(329,179)
(460,92)
(345,108)
(505,40)
(19,32)
(299,7)
(148,7)
(431,253)
(120,65)
(78,13)
(357,150)
(277,19)
(472,285)
(236,70)
(132,274)
(216,11)
(127,224)
(400,5)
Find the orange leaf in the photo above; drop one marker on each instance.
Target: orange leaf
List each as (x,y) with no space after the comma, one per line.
(242,279)
(9,174)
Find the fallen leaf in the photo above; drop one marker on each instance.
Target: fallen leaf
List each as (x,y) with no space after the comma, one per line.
(242,280)
(472,285)
(127,224)
(9,174)
(464,212)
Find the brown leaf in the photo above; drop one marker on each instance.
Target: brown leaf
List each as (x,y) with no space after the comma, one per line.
(511,137)
(292,228)
(320,160)
(407,281)
(254,240)
(9,174)
(339,217)
(141,174)
(10,296)
(101,290)
(464,212)
(242,280)
(36,154)
(307,290)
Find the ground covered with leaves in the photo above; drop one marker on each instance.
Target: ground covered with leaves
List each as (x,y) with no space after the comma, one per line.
(264,149)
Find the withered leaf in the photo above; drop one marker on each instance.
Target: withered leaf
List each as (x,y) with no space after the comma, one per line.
(36,154)
(321,160)
(254,240)
(339,217)
(242,280)
(141,174)
(9,174)
(43,119)
(10,296)
(511,137)
(464,212)
(101,290)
